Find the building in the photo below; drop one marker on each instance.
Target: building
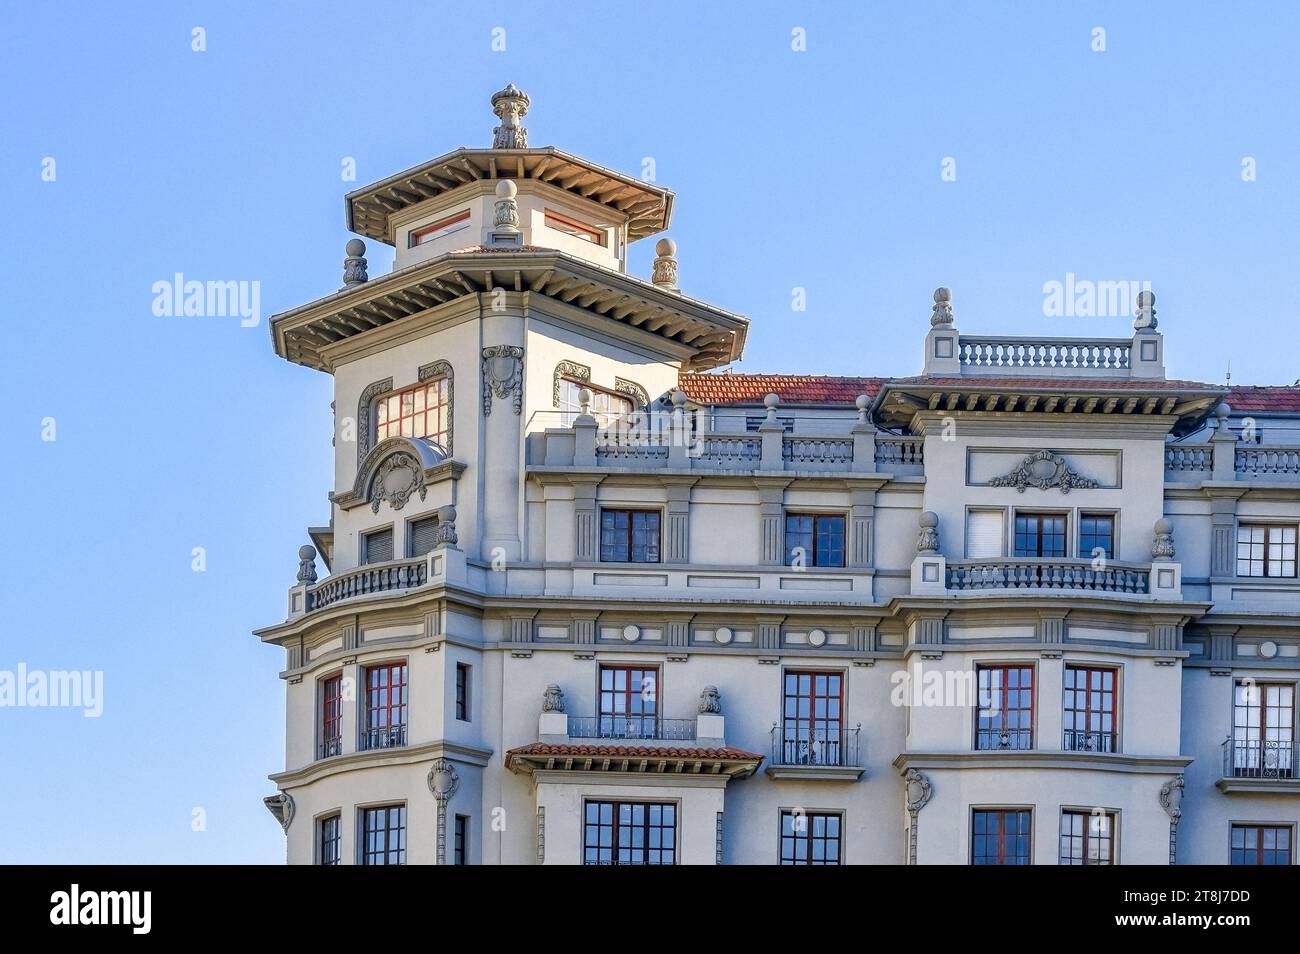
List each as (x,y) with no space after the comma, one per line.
(590,599)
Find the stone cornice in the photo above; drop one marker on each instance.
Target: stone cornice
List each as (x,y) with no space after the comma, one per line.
(758,479)
(1044,759)
(377,758)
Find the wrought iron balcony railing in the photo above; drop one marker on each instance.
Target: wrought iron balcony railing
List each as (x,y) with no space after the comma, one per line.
(388,737)
(328,748)
(796,745)
(991,740)
(1259,758)
(632,727)
(1081,740)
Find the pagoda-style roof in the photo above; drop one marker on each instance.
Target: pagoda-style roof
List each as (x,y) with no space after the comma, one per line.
(647,206)
(709,336)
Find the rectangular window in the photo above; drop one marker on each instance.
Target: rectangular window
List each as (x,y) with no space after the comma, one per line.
(1040,535)
(377,546)
(437,230)
(328,834)
(385,724)
(1000,836)
(1089,714)
(985,534)
(331,716)
(421,536)
(629,833)
(1005,719)
(1263,730)
(814,539)
(810,839)
(606,407)
(1096,536)
(812,731)
(383,835)
(629,536)
(421,411)
(1087,838)
(1266,550)
(578,230)
(1262,844)
(462,692)
(629,702)
(460,853)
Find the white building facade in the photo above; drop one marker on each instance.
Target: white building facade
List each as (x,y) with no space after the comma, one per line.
(592,600)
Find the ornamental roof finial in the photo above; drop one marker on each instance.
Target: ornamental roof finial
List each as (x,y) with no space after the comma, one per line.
(511,105)
(942,312)
(1146,311)
(665,264)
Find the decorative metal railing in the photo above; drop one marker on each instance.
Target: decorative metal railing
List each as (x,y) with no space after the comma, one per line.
(373,578)
(1087,740)
(794,744)
(1259,758)
(632,727)
(1062,354)
(1046,573)
(991,740)
(388,737)
(328,748)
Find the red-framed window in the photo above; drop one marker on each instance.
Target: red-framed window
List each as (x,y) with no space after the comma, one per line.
(629,833)
(578,230)
(437,230)
(328,839)
(606,407)
(1001,836)
(812,730)
(1266,550)
(383,835)
(1263,844)
(1090,712)
(419,411)
(331,716)
(386,692)
(629,702)
(811,838)
(1005,715)
(1087,838)
(1263,729)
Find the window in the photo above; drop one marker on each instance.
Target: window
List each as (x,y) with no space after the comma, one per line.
(810,839)
(1040,535)
(1263,730)
(1089,709)
(629,702)
(438,229)
(462,692)
(421,411)
(1000,836)
(1005,719)
(814,539)
(1265,550)
(574,228)
(377,546)
(385,725)
(328,835)
(629,833)
(461,844)
(813,719)
(1261,844)
(1087,838)
(331,716)
(1096,532)
(383,835)
(421,535)
(606,407)
(629,536)
(985,534)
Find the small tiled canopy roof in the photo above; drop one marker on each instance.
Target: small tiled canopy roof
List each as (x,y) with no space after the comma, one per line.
(718,389)
(666,759)
(1265,400)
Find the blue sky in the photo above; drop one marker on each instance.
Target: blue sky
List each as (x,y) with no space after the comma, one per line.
(817,169)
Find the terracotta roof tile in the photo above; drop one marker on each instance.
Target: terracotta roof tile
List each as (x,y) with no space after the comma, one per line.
(641,751)
(1061,384)
(1261,400)
(716,389)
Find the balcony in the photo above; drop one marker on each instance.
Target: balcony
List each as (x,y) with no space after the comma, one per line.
(1080,740)
(1248,462)
(1259,765)
(638,728)
(1004,740)
(800,754)
(329,748)
(367,580)
(1048,574)
(388,737)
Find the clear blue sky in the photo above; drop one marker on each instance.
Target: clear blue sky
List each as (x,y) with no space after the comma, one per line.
(816,169)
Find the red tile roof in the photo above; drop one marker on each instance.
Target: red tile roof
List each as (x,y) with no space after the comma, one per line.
(1262,400)
(633,751)
(1057,384)
(715,389)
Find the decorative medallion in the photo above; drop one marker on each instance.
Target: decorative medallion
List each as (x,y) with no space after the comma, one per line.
(503,376)
(553,699)
(398,477)
(281,806)
(1044,470)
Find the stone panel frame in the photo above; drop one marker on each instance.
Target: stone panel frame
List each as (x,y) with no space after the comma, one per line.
(366,437)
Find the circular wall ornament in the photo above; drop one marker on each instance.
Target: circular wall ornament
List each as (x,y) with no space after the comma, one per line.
(631,633)
(723,635)
(1268,649)
(817,637)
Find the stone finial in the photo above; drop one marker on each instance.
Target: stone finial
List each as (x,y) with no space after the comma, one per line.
(506,216)
(665,265)
(354,263)
(553,699)
(941,316)
(307,564)
(510,105)
(1221,415)
(771,402)
(445,533)
(679,399)
(927,537)
(863,403)
(1145,319)
(710,701)
(1162,547)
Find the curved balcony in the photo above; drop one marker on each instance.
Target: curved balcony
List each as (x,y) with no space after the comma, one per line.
(1048,574)
(366,580)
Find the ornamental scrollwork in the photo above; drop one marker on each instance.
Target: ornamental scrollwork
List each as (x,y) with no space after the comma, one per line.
(1044,470)
(503,376)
